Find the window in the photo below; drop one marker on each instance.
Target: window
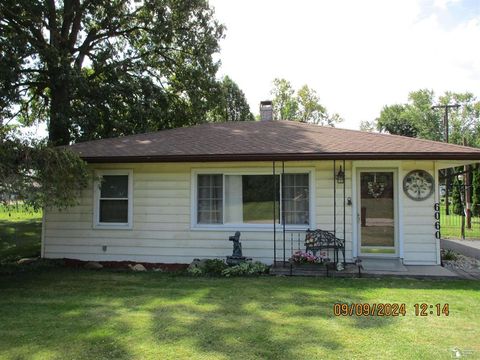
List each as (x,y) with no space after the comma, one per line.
(210,199)
(252,199)
(113,199)
(295,199)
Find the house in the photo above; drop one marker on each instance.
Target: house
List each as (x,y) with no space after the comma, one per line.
(175,195)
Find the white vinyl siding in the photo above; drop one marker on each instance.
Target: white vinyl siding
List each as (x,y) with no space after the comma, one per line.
(419,242)
(163,225)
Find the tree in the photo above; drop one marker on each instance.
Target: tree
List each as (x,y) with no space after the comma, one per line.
(464,122)
(285,106)
(394,119)
(303,106)
(476,192)
(420,113)
(104,68)
(368,126)
(457,197)
(232,104)
(39,175)
(310,109)
(417,118)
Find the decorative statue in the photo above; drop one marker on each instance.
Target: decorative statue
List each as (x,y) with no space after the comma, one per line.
(237,246)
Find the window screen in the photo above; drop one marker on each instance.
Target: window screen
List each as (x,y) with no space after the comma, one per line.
(114,199)
(210,199)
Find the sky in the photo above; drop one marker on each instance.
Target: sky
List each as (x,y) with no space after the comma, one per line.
(357,55)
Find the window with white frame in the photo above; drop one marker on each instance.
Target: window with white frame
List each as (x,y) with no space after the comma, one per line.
(210,199)
(253,199)
(113,198)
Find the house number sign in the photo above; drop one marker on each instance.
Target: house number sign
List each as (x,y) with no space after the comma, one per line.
(436,214)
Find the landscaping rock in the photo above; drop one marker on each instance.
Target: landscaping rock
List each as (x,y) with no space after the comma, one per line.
(93,265)
(26,261)
(197,263)
(137,267)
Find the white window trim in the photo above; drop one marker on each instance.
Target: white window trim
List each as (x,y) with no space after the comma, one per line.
(251,171)
(96,200)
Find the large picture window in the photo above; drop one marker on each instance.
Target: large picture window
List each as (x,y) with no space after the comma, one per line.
(113,199)
(253,199)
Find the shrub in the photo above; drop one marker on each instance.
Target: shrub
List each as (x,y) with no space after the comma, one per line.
(449,255)
(246,269)
(211,267)
(457,197)
(214,267)
(476,193)
(195,271)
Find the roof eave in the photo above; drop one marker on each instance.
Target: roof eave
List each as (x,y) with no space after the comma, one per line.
(282,157)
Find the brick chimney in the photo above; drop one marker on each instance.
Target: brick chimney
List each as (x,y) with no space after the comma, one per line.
(266,110)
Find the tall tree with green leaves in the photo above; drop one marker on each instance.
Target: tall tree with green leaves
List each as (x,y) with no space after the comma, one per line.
(285,105)
(457,197)
(104,68)
(232,104)
(394,119)
(310,109)
(303,105)
(40,176)
(417,118)
(476,192)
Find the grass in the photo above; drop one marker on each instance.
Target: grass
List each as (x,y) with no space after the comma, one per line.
(451,225)
(20,233)
(78,314)
(260,212)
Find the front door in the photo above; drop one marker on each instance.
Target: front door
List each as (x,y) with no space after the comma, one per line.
(377,214)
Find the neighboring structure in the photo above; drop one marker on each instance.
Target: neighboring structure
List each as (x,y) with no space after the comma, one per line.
(175,195)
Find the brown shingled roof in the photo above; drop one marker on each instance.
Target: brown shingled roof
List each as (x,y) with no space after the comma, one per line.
(266,140)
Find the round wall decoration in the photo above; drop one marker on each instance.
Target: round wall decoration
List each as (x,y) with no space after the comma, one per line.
(418,185)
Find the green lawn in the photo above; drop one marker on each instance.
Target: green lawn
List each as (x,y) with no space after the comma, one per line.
(78,314)
(451,226)
(20,233)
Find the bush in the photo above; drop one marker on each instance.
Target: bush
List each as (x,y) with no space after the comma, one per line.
(195,271)
(457,197)
(214,267)
(210,267)
(476,193)
(246,269)
(449,255)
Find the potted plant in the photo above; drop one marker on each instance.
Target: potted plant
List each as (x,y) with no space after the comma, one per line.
(305,260)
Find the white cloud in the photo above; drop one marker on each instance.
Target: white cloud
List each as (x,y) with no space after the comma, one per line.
(358,55)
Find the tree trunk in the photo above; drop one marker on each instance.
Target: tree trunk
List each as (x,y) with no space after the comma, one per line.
(60,123)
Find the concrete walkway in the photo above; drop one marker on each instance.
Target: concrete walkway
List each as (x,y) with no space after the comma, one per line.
(469,248)
(415,271)
(397,271)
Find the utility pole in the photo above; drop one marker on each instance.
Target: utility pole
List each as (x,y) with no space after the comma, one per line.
(445,125)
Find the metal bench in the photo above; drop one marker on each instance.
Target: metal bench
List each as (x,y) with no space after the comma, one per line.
(318,240)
